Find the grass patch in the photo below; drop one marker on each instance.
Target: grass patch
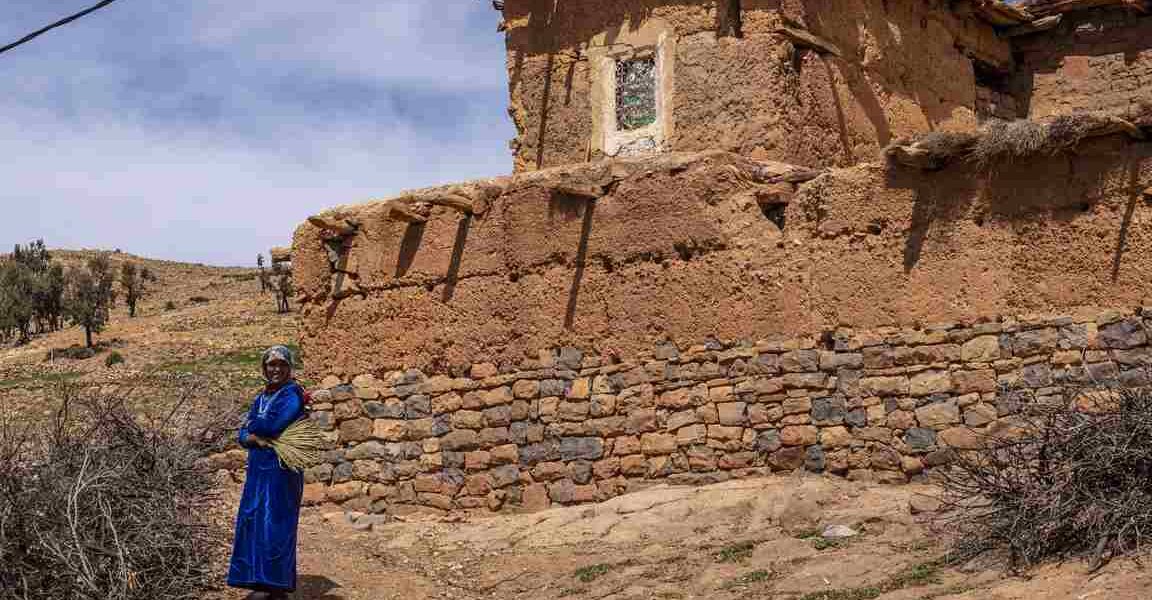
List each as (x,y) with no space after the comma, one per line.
(920,575)
(746,579)
(821,543)
(592,573)
(865,593)
(39,379)
(736,552)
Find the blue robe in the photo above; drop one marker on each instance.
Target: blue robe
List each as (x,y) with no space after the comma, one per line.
(264,550)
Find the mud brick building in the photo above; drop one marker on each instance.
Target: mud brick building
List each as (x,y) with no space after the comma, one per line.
(743,236)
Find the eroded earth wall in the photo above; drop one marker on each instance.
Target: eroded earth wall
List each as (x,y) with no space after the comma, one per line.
(573,333)
(902,67)
(1097,61)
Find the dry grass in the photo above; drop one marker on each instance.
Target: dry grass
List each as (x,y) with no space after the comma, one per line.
(1003,142)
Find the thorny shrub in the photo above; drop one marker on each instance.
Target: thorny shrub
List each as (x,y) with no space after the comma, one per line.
(1066,479)
(101,502)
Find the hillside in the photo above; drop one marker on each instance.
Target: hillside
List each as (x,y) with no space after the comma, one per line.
(207,321)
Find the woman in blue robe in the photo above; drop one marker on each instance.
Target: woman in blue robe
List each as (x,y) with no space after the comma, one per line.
(264,550)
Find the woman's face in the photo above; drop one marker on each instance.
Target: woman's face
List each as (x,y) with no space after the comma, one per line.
(277,371)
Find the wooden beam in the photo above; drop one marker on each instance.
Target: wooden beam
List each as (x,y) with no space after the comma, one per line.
(341,227)
(399,211)
(583,192)
(805,39)
(1037,26)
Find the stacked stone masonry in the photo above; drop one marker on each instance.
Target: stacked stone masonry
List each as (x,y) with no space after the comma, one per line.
(884,405)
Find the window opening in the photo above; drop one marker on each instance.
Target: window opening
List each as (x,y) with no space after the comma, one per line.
(635,93)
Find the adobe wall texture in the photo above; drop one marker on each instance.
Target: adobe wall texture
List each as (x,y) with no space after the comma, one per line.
(1095,61)
(679,248)
(904,69)
(591,329)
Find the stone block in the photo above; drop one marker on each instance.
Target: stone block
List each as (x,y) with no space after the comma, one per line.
(799,435)
(884,386)
(722,433)
(800,361)
(692,434)
(1123,334)
(580,389)
(581,448)
(526,388)
(657,443)
(835,437)
(961,438)
(356,430)
(498,416)
(967,382)
(642,421)
(498,396)
(984,348)
(920,439)
(927,383)
(979,415)
(828,411)
(573,411)
(460,439)
(732,413)
(447,403)
(939,415)
(1035,341)
(834,361)
(800,405)
(788,459)
(467,419)
(768,441)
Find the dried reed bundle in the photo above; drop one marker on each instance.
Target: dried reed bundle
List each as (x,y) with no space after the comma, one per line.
(300,446)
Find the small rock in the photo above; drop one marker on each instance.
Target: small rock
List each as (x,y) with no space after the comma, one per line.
(838,532)
(920,503)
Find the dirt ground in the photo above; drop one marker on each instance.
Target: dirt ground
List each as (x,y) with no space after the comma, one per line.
(736,540)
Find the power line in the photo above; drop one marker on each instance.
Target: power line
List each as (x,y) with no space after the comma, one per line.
(60,23)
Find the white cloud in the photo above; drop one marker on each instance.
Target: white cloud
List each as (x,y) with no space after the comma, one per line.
(220,125)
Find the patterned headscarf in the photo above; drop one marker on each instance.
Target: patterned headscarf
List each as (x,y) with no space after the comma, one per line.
(283,353)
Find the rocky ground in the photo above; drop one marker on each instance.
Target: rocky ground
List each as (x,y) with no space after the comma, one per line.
(751,539)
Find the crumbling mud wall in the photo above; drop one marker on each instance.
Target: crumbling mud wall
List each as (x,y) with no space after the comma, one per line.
(570,334)
(1093,60)
(618,256)
(816,82)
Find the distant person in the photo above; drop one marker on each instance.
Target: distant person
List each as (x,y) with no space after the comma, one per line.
(264,550)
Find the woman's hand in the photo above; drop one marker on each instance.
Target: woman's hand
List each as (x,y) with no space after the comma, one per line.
(256,440)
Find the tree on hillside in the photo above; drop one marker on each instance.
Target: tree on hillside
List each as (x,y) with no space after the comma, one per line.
(17,308)
(90,296)
(135,283)
(31,292)
(264,285)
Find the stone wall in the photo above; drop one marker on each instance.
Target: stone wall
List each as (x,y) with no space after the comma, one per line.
(902,67)
(566,427)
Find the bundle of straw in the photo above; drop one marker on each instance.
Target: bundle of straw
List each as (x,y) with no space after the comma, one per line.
(300,446)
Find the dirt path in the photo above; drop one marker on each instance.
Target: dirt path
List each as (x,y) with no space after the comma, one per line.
(736,540)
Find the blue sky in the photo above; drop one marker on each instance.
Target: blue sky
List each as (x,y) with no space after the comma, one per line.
(205,131)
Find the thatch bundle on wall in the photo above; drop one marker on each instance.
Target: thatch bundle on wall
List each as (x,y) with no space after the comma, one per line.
(999,142)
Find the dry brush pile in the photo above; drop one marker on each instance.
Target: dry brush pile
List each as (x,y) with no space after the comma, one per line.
(1070,480)
(103,503)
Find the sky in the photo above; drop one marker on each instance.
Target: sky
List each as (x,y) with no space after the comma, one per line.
(205,131)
